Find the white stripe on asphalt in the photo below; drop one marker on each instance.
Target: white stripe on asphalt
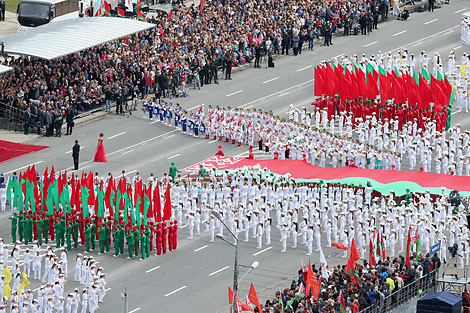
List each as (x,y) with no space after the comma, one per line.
(140,143)
(135,310)
(174,291)
(304,68)
(270,80)
(399,33)
(37,289)
(116,135)
(218,271)
(107,289)
(259,252)
(212,141)
(154,122)
(199,249)
(234,93)
(174,156)
(23,167)
(370,44)
(169,136)
(128,151)
(420,41)
(152,269)
(197,106)
(246,105)
(128,174)
(458,47)
(431,21)
(81,147)
(461,10)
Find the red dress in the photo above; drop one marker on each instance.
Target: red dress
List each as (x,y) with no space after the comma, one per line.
(100,155)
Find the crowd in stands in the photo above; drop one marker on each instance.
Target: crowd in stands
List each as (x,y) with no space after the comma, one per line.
(184,45)
(388,277)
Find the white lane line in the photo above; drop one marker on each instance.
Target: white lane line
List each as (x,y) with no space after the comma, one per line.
(135,310)
(117,135)
(420,41)
(169,136)
(152,269)
(174,156)
(199,249)
(155,122)
(461,10)
(399,33)
(458,47)
(140,143)
(212,141)
(417,44)
(259,252)
(218,271)
(339,55)
(273,94)
(107,289)
(23,167)
(70,151)
(128,174)
(270,80)
(304,68)
(370,44)
(431,21)
(174,291)
(128,151)
(234,93)
(455,112)
(37,289)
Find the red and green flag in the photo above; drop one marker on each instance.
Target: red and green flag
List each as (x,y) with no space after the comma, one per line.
(408,248)
(342,305)
(120,12)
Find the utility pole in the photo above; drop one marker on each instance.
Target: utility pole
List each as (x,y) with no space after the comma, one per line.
(126,302)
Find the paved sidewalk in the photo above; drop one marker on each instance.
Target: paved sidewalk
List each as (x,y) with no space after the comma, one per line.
(10,25)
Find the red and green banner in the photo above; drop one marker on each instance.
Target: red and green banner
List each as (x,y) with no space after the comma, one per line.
(120,12)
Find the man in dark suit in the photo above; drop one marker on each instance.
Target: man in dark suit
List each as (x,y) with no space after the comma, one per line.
(69,121)
(75,155)
(27,120)
(431,6)
(2,10)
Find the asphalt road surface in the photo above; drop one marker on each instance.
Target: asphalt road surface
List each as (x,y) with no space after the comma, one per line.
(194,278)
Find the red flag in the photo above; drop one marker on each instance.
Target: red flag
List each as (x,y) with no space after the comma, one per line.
(202,6)
(167,205)
(157,204)
(230,295)
(72,196)
(254,298)
(148,192)
(319,81)
(371,254)
(89,185)
(339,246)
(107,194)
(383,246)
(408,244)
(120,12)
(52,174)
(353,257)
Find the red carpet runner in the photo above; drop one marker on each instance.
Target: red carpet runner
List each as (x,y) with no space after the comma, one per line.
(11,150)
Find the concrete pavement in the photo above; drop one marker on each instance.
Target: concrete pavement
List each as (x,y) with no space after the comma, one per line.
(138,144)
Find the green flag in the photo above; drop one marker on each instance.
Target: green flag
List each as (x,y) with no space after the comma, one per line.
(137,211)
(19,195)
(12,184)
(382,71)
(85,195)
(146,207)
(65,199)
(29,197)
(118,201)
(100,204)
(425,74)
(52,197)
(111,201)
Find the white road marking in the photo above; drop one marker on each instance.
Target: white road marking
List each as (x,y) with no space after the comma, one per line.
(128,174)
(107,289)
(199,249)
(128,151)
(23,167)
(259,252)
(370,44)
(135,310)
(246,105)
(455,112)
(431,21)
(218,271)
(270,80)
(155,122)
(140,143)
(339,55)
(417,44)
(399,33)
(197,106)
(234,93)
(458,47)
(169,136)
(304,68)
(212,141)
(461,10)
(37,289)
(174,156)
(152,269)
(116,135)
(70,151)
(419,41)
(174,291)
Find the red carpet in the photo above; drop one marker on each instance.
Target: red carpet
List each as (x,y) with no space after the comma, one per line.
(11,150)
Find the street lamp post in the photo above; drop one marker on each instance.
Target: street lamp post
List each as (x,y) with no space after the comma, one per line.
(235,267)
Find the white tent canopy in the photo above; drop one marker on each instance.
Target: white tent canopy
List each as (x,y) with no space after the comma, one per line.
(55,40)
(4,69)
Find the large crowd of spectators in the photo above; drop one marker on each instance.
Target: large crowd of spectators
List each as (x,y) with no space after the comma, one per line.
(185,45)
(387,278)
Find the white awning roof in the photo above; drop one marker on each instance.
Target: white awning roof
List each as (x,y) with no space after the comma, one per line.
(57,39)
(4,69)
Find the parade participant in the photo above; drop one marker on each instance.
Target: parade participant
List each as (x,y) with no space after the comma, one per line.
(100,155)
(219,151)
(172,171)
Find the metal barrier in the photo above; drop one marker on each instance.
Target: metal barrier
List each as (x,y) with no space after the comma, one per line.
(11,118)
(418,288)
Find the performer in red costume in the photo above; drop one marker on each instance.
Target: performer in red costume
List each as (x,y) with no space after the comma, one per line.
(175,234)
(158,239)
(100,155)
(164,237)
(220,152)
